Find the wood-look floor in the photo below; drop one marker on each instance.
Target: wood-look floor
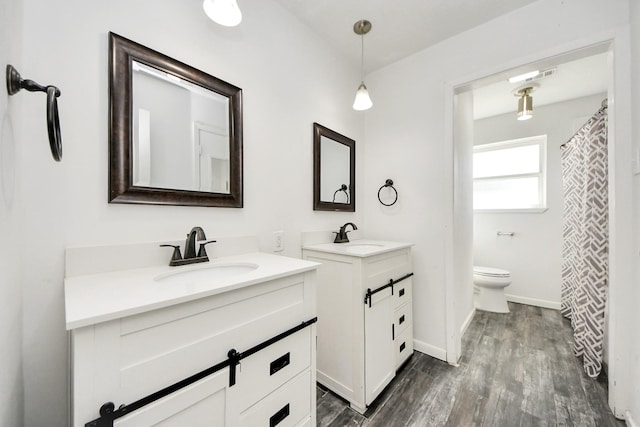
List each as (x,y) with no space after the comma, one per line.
(517,369)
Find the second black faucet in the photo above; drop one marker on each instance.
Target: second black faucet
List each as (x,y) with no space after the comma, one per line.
(341,235)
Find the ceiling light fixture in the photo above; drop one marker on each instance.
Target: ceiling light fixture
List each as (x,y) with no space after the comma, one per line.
(525,103)
(223,12)
(523,77)
(363,100)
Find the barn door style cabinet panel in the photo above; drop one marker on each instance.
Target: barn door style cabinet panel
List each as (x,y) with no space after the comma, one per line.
(151,349)
(365,330)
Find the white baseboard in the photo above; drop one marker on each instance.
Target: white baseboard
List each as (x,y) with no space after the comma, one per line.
(467,322)
(628,418)
(533,301)
(431,350)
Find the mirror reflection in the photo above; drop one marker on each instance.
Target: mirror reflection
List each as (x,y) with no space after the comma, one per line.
(334,170)
(175,132)
(180,133)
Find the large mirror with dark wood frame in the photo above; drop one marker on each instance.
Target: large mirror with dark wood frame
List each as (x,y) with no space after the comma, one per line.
(334,171)
(175,132)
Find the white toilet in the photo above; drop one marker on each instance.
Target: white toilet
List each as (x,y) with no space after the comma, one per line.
(490,283)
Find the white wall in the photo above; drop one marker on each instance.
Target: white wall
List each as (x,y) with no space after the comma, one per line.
(534,254)
(632,329)
(11,389)
(408,133)
(290,78)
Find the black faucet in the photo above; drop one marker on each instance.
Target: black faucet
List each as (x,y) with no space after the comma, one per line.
(341,235)
(196,235)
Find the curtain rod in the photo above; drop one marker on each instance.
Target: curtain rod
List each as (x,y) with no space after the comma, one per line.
(603,106)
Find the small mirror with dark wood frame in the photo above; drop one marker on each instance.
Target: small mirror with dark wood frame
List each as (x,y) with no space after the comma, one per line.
(334,171)
(175,132)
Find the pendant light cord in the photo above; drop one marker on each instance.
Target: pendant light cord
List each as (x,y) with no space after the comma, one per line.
(362,57)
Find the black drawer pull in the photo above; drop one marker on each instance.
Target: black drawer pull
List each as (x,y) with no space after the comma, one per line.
(402,346)
(401,320)
(279,416)
(401,293)
(279,363)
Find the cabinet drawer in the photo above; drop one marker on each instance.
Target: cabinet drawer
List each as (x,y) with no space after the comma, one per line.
(404,346)
(402,318)
(402,292)
(288,406)
(266,370)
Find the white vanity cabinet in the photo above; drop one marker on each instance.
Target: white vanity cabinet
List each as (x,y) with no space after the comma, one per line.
(268,315)
(363,337)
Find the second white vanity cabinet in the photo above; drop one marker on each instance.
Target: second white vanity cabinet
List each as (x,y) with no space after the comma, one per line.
(134,334)
(365,330)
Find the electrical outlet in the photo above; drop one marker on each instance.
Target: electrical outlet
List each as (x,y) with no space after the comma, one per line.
(278,241)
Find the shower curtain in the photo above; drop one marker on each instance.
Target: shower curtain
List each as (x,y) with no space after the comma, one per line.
(586,239)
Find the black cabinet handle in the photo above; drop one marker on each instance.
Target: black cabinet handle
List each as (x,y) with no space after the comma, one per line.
(279,416)
(279,363)
(402,347)
(401,293)
(401,320)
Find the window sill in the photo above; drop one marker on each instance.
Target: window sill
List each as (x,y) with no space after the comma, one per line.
(526,211)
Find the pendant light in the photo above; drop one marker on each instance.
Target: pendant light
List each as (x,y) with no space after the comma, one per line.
(525,103)
(223,12)
(363,100)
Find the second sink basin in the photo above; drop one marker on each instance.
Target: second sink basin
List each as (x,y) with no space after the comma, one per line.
(203,273)
(359,246)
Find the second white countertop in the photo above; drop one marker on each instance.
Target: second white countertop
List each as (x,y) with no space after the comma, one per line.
(359,248)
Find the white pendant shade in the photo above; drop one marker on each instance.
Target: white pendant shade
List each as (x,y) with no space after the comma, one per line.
(363,100)
(223,12)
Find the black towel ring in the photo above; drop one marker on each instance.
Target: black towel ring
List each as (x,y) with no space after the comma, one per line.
(15,83)
(388,183)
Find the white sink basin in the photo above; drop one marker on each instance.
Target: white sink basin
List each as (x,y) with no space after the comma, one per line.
(359,248)
(204,273)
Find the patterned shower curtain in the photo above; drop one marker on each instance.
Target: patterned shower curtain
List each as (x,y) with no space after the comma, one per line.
(585,246)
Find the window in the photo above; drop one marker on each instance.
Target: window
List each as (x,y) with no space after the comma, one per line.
(510,175)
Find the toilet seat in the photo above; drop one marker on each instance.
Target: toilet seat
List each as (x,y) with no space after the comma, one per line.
(490,272)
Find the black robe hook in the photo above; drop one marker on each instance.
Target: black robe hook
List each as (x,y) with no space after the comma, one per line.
(15,83)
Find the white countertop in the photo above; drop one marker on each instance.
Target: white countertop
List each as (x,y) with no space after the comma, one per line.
(359,248)
(95,298)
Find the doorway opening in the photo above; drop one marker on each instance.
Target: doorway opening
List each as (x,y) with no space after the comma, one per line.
(459,293)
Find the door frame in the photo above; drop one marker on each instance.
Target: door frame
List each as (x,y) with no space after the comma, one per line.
(622,247)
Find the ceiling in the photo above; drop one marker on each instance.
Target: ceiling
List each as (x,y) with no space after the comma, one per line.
(399,28)
(572,79)
(402,28)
